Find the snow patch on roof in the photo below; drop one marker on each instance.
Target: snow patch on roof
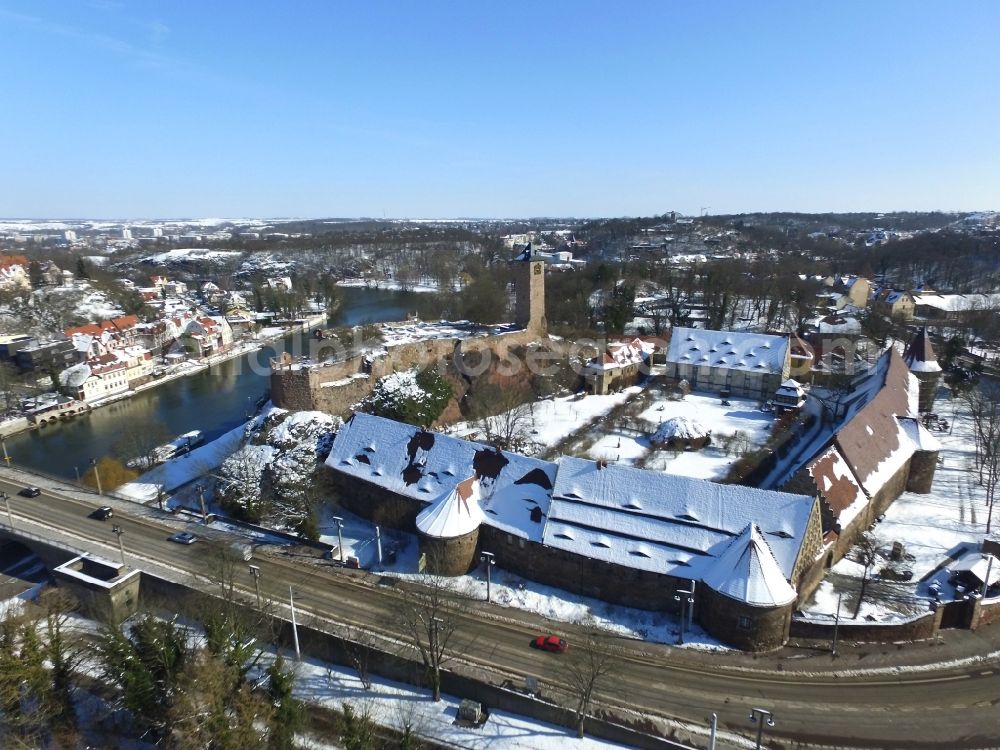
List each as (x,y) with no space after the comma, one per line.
(755,352)
(456,513)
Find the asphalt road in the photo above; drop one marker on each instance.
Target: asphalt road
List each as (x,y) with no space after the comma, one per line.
(947,708)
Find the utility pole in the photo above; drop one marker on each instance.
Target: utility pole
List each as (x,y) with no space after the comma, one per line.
(6,458)
(97,475)
(201,499)
(118,531)
(6,502)
(836,626)
(713,726)
(490,559)
(255,572)
(295,626)
(340,536)
(378,544)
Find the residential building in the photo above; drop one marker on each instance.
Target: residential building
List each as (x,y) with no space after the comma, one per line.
(743,364)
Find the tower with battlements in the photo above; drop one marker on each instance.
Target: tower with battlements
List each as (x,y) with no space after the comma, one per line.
(529,293)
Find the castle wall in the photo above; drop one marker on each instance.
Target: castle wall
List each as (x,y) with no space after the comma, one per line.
(923,464)
(927,383)
(737,623)
(450,557)
(334,388)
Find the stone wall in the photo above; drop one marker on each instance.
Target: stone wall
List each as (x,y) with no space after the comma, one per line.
(450,557)
(378,505)
(923,464)
(335,387)
(579,574)
(741,625)
(917,628)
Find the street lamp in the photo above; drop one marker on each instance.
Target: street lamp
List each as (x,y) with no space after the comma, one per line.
(340,536)
(255,572)
(118,531)
(97,476)
(6,503)
(686,599)
(490,559)
(760,717)
(3,442)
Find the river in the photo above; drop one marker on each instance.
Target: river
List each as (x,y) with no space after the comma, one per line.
(213,401)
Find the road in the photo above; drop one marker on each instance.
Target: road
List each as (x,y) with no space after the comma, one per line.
(947,708)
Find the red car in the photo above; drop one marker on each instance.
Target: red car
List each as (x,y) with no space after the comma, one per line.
(552,643)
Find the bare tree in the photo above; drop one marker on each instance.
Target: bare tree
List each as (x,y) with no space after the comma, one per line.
(429,616)
(866,553)
(983,402)
(359,644)
(505,418)
(137,442)
(587,667)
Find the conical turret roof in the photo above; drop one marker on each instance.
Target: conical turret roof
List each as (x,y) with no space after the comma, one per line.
(919,355)
(454,514)
(747,571)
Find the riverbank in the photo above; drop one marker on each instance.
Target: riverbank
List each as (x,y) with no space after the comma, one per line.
(11,427)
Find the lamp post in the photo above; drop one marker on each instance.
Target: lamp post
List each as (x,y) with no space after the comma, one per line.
(295,626)
(340,536)
(3,442)
(255,572)
(6,503)
(77,470)
(97,476)
(201,499)
(490,559)
(686,599)
(836,627)
(118,531)
(760,717)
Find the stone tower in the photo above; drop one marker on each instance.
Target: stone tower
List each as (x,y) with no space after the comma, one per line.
(920,358)
(529,292)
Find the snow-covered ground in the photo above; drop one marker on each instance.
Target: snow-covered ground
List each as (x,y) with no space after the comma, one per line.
(712,462)
(932,528)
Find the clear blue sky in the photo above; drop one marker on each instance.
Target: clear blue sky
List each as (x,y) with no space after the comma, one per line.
(169,108)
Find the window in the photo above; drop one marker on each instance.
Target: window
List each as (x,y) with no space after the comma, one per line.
(744,622)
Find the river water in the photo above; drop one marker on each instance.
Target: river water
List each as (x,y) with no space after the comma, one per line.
(213,401)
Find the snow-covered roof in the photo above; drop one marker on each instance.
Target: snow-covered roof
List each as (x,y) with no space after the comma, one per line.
(748,572)
(871,439)
(919,355)
(456,513)
(621,354)
(424,465)
(751,352)
(959,302)
(663,523)
(981,565)
(791,388)
(75,376)
(837,485)
(919,435)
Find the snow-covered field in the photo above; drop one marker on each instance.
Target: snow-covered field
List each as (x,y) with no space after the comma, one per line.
(932,528)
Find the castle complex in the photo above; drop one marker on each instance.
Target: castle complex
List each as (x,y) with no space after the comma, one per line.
(334,385)
(748,556)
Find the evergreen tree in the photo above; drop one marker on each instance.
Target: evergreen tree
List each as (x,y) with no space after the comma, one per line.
(289,715)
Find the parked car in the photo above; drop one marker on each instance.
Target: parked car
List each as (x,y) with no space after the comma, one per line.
(30,492)
(103,513)
(182,537)
(552,643)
